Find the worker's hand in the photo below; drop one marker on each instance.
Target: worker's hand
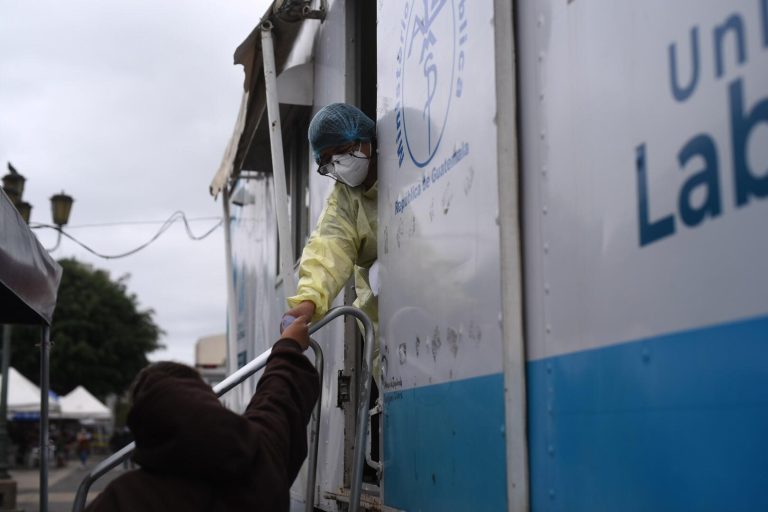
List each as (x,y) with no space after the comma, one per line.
(298,332)
(305,308)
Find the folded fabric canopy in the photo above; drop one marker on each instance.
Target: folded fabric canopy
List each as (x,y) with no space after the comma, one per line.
(29,277)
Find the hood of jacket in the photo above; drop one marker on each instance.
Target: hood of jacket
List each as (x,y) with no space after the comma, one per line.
(181,428)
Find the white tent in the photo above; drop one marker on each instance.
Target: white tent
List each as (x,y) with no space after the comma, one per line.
(24,396)
(80,404)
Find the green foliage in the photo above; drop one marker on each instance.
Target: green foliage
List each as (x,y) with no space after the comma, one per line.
(101,339)
(122,407)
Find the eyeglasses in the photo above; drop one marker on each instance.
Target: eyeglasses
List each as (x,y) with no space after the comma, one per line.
(328,165)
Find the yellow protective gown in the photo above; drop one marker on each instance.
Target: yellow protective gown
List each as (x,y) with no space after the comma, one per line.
(344,241)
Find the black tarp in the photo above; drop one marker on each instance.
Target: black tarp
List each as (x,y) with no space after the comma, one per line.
(29,277)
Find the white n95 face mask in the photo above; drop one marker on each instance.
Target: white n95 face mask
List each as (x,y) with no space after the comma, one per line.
(350,169)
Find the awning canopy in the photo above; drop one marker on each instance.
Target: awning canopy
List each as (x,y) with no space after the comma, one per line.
(249,146)
(81,404)
(24,397)
(29,277)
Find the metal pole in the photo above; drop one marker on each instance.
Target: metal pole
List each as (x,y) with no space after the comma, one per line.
(278,164)
(58,240)
(44,387)
(362,403)
(100,470)
(6,362)
(510,239)
(231,301)
(362,417)
(314,436)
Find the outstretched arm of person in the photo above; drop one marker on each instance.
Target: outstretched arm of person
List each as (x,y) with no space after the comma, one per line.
(284,399)
(328,258)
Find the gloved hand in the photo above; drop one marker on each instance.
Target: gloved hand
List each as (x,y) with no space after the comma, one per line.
(305,308)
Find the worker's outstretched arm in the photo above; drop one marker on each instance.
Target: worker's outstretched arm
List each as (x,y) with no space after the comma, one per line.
(328,258)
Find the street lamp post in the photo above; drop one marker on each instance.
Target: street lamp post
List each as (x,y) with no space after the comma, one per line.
(61,206)
(13,184)
(6,356)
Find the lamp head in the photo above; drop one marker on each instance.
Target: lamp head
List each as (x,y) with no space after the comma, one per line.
(13,184)
(61,205)
(25,210)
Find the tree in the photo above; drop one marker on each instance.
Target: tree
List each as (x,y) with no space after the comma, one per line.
(100,337)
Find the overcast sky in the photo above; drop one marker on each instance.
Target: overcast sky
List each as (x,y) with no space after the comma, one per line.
(128,106)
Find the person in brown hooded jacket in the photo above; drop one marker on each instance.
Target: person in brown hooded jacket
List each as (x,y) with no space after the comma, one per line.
(196,455)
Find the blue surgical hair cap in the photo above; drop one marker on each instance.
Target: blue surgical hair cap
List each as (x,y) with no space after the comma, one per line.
(339,123)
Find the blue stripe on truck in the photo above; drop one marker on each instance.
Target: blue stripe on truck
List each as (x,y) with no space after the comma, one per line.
(444,447)
(672,423)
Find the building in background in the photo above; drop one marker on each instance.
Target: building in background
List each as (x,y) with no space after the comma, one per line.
(211,358)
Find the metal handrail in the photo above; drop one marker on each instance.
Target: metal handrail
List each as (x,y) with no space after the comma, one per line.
(364,384)
(249,369)
(314,435)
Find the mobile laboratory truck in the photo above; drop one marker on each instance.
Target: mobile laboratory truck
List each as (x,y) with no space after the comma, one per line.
(573,246)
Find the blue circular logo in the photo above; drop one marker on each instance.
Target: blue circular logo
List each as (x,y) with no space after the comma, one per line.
(425,76)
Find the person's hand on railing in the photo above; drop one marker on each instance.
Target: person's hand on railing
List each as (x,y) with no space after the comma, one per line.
(298,331)
(305,308)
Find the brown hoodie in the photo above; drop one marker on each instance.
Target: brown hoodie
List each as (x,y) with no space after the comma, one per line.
(196,455)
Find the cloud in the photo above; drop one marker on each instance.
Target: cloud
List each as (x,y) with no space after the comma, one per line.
(128,106)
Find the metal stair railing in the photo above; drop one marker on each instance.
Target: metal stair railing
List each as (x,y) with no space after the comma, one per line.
(364,385)
(248,370)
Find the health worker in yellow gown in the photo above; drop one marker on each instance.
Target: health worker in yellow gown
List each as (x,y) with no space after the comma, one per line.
(343,142)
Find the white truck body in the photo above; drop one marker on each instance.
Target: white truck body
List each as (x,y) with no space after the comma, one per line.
(573,237)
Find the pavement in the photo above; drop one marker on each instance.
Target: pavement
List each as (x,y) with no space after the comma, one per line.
(62,485)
